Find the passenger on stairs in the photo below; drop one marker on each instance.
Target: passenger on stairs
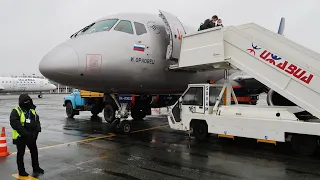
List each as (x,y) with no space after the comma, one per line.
(210,23)
(206,25)
(216,21)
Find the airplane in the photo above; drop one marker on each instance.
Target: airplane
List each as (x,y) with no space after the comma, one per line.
(129,54)
(22,84)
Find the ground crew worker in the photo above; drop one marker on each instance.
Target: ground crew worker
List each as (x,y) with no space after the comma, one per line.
(26,127)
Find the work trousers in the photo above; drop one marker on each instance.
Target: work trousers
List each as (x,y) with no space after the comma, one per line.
(21,147)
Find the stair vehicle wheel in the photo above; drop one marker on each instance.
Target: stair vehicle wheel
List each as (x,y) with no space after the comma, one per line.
(109,113)
(200,131)
(304,144)
(69,110)
(125,127)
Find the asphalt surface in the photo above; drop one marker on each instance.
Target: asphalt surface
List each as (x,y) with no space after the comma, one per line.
(86,148)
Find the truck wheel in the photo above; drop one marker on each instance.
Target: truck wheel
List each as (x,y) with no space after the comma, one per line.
(125,127)
(109,113)
(304,144)
(200,131)
(69,110)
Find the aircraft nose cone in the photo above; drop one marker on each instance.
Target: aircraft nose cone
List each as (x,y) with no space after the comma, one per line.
(62,60)
(53,87)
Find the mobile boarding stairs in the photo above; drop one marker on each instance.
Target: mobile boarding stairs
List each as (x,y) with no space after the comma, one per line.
(286,67)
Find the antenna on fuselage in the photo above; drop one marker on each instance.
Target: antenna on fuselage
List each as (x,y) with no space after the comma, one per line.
(281,26)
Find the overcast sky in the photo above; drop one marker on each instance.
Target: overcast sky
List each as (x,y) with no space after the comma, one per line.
(29,29)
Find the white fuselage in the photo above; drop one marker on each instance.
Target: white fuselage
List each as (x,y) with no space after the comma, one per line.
(106,61)
(9,84)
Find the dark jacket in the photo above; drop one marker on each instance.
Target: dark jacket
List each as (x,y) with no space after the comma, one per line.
(206,25)
(29,130)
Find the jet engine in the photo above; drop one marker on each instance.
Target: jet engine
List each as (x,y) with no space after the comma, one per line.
(275,99)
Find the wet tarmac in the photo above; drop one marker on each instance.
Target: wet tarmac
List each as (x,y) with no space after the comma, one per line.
(86,148)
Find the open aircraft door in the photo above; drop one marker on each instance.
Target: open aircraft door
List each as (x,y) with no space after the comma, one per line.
(175,30)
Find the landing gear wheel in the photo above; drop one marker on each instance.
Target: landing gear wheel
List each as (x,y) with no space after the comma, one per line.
(69,110)
(40,96)
(109,113)
(304,144)
(125,127)
(200,131)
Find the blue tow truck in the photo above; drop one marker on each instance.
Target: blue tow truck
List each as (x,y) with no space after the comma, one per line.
(82,100)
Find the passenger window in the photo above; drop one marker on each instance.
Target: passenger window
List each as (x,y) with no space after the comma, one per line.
(194,96)
(124,26)
(140,28)
(104,25)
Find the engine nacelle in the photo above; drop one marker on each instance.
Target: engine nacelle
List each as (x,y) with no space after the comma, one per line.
(275,99)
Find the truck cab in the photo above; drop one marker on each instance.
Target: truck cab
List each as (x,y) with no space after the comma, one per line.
(82,100)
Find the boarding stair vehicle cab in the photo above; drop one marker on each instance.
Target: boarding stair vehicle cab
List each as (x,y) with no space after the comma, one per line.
(82,100)
(287,68)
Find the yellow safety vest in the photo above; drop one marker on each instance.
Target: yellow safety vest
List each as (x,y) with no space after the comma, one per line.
(15,134)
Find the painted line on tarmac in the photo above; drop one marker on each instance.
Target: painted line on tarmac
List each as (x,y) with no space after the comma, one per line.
(24,177)
(157,127)
(96,138)
(80,141)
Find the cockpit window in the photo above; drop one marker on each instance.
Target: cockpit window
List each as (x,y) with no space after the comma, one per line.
(140,28)
(104,25)
(124,26)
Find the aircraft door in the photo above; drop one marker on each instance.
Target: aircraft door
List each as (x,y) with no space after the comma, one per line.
(41,83)
(14,84)
(175,30)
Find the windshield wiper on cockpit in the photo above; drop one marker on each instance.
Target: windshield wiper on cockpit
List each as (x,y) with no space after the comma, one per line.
(82,30)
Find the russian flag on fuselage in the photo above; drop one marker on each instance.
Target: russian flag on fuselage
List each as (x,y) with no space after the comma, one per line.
(138,47)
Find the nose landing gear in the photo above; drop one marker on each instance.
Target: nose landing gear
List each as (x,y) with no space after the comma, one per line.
(123,126)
